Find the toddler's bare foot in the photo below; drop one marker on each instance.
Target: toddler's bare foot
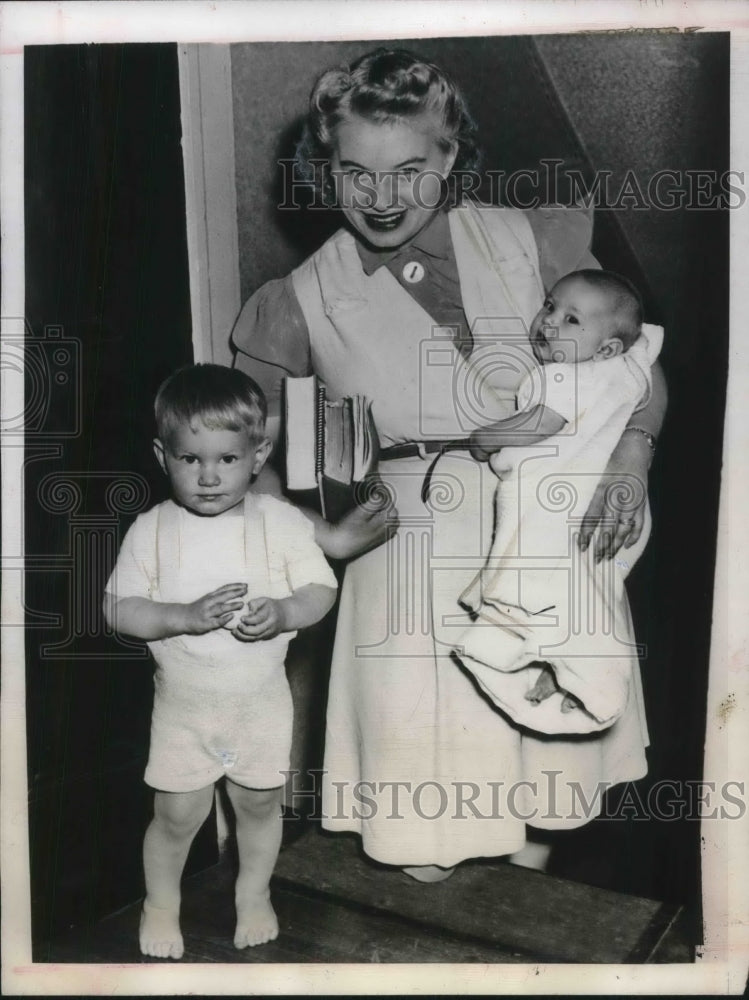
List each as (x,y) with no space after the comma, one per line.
(160,935)
(256,920)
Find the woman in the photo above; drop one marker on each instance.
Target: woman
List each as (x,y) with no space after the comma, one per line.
(423,308)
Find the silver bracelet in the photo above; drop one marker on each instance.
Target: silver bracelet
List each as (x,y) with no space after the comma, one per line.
(650,438)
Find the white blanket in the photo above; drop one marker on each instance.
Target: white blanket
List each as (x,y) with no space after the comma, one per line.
(538,598)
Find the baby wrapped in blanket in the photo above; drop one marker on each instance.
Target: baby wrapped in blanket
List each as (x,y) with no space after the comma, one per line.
(551,642)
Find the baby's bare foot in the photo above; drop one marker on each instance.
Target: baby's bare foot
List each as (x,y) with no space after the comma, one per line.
(160,935)
(256,920)
(570,703)
(544,687)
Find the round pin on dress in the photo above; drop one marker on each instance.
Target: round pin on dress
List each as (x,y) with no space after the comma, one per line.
(413,272)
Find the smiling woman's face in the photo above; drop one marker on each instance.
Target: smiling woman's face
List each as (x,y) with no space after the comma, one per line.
(388,177)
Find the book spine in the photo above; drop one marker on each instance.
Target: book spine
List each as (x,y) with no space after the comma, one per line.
(320,446)
(320,429)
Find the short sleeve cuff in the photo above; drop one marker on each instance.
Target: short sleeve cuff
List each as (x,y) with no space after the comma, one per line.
(295,537)
(271,328)
(311,569)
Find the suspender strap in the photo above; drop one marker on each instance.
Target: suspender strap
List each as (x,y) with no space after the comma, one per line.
(167,540)
(256,554)
(257,558)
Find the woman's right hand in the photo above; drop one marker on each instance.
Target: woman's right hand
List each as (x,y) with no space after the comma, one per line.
(480,444)
(478,452)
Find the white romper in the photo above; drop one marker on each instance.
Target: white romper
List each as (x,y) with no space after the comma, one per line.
(221,706)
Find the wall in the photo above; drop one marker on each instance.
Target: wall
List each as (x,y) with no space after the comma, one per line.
(650,103)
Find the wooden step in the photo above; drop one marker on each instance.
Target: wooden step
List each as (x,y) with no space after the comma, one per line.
(334,905)
(514,909)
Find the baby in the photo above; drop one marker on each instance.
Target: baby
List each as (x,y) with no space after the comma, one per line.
(594,357)
(222,705)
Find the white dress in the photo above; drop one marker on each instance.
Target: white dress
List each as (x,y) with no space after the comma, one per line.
(417,760)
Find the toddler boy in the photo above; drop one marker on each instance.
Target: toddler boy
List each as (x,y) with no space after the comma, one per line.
(222,705)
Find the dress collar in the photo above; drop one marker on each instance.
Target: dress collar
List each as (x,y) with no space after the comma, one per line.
(433,240)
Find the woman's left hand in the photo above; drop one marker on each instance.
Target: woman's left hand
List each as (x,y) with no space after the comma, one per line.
(368,524)
(617,509)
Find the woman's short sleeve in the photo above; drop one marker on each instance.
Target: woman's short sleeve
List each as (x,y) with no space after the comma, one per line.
(563,237)
(271,328)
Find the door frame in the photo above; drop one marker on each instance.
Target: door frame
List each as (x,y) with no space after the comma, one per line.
(210,194)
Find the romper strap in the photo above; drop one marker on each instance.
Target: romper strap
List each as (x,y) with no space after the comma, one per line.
(257,560)
(255,545)
(167,539)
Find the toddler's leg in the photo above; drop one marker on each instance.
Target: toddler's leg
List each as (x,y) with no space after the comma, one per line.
(258,813)
(177,817)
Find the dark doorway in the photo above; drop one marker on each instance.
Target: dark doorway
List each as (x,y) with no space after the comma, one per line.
(107,318)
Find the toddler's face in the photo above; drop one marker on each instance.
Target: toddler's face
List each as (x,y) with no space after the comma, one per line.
(572,324)
(210,470)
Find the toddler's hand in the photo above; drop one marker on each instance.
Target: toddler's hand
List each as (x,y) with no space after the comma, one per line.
(213,610)
(546,686)
(264,620)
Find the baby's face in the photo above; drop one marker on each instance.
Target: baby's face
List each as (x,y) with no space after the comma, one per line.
(210,470)
(573,323)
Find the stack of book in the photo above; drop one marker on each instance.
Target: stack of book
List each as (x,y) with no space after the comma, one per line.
(331,447)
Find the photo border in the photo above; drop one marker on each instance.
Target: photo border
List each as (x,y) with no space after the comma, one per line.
(722,962)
